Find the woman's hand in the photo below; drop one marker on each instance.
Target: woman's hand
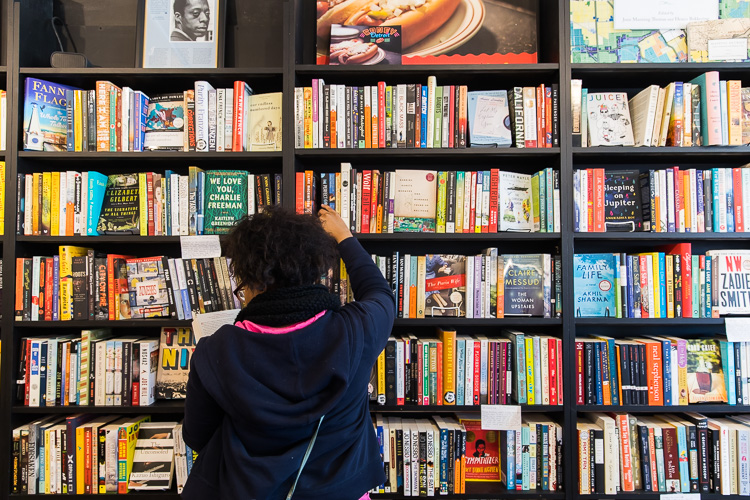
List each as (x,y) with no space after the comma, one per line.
(333,224)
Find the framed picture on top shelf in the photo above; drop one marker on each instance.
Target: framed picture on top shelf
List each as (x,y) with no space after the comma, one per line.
(441,31)
(180,34)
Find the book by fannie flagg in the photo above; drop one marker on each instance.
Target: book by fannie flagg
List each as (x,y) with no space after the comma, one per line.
(225,200)
(45,122)
(120,212)
(264,122)
(594,285)
(445,285)
(176,347)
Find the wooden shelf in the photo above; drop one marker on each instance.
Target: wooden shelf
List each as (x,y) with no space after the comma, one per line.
(161,406)
(125,323)
(148,155)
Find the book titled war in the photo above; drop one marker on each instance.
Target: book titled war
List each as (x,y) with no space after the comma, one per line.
(225,200)
(594,285)
(120,210)
(176,347)
(45,118)
(445,285)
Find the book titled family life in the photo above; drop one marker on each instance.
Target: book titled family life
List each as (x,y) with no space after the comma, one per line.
(594,285)
(45,119)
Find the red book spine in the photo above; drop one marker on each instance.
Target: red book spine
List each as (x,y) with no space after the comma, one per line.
(135,392)
(381,114)
(150,202)
(462,110)
(118,121)
(238,113)
(452,117)
(494,182)
(49,282)
(739,226)
(299,192)
(111,287)
(687,283)
(654,374)
(590,199)
(580,383)
(477,369)
(366,193)
(375,186)
(547,117)
(558,343)
(599,200)
(308,206)
(540,116)
(420,376)
(552,346)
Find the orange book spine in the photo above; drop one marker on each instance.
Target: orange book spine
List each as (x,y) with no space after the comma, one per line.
(111,287)
(734,112)
(654,374)
(238,115)
(540,116)
(625,453)
(687,199)
(381,114)
(19,290)
(299,192)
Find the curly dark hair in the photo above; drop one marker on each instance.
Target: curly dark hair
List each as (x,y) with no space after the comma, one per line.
(278,248)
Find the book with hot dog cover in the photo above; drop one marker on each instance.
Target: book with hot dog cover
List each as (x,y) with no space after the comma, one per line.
(368,45)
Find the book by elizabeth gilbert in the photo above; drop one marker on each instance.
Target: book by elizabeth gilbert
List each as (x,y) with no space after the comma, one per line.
(45,120)
(120,212)
(445,285)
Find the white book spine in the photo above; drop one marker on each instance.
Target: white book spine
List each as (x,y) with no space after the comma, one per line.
(445,127)
(722,187)
(400,371)
(431,84)
(341,116)
(584,217)
(746,198)
(693,201)
(228,118)
(343,207)
(318,125)
(100,373)
(469,287)
(202,89)
(430,460)
(406,443)
(220,118)
(469,373)
(184,213)
(671,216)
(299,117)
(175,289)
(84,203)
(29,203)
(34,375)
(467,201)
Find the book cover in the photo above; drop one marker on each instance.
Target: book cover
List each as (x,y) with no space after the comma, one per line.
(415,201)
(97,188)
(515,202)
(732,292)
(225,200)
(153,459)
(623,210)
(176,346)
(594,285)
(482,451)
(147,288)
(165,125)
(263,122)
(523,279)
(609,119)
(120,208)
(45,120)
(445,285)
(364,45)
(705,377)
(489,119)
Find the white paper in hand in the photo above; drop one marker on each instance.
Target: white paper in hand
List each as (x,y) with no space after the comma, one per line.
(205,325)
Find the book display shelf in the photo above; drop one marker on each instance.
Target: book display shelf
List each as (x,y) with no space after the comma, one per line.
(270,45)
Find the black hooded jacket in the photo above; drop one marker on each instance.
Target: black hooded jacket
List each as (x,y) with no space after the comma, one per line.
(254,400)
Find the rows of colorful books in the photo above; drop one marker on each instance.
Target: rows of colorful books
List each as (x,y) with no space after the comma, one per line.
(371,201)
(428,115)
(706,111)
(455,369)
(82,284)
(113,118)
(672,453)
(667,200)
(660,371)
(670,282)
(97,454)
(142,203)
(97,368)
(489,285)
(444,455)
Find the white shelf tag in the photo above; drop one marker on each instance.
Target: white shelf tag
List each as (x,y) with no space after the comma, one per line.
(501,417)
(200,247)
(738,329)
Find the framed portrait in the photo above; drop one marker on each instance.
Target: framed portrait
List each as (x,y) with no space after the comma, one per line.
(180,33)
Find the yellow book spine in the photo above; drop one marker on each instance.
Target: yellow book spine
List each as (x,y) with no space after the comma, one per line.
(530,388)
(143,202)
(308,121)
(669,269)
(55,208)
(657,286)
(2,198)
(421,263)
(448,337)
(36,188)
(46,460)
(442,202)
(46,202)
(78,119)
(80,459)
(734,111)
(381,378)
(102,439)
(66,279)
(682,385)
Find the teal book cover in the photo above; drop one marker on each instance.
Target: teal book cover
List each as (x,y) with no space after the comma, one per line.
(45,121)
(225,200)
(594,284)
(97,187)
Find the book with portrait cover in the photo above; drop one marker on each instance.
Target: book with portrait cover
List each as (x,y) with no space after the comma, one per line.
(415,201)
(165,123)
(594,284)
(523,280)
(623,210)
(45,117)
(705,377)
(515,204)
(176,346)
(482,451)
(147,288)
(263,123)
(445,285)
(120,212)
(225,200)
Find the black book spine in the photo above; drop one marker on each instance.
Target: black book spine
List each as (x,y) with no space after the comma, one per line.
(390,372)
(356,117)
(92,372)
(205,292)
(694,464)
(394,270)
(714,462)
(558,286)
(644,182)
(127,373)
(738,374)
(213,283)
(703,450)
(91,290)
(27,265)
(170,286)
(277,188)
(16,464)
(267,191)
(353,196)
(21,380)
(555,115)
(361,111)
(58,374)
(645,457)
(411,102)
(349,117)
(450,202)
(24,462)
(192,286)
(590,376)
(452,446)
(540,455)
(43,374)
(324,189)
(80,297)
(414,368)
(63,463)
(326,116)
(642,364)
(399,461)
(626,381)
(401,287)
(422,463)
(20,203)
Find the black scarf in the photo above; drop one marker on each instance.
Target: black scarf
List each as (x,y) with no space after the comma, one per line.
(287,306)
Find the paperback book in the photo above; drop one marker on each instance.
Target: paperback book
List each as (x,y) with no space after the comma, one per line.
(524,281)
(623,210)
(165,125)
(147,288)
(415,201)
(120,209)
(609,119)
(176,347)
(445,285)
(594,285)
(489,119)
(515,205)
(705,377)
(45,122)
(225,200)
(482,451)
(264,122)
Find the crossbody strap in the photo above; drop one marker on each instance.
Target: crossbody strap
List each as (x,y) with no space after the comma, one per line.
(304,459)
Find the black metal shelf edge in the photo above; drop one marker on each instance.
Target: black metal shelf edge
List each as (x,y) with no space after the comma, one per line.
(161,72)
(313,69)
(430,237)
(649,321)
(648,494)
(650,67)
(453,321)
(147,155)
(500,492)
(84,240)
(171,406)
(428,152)
(374,408)
(126,323)
(697,408)
(661,236)
(662,151)
(143,495)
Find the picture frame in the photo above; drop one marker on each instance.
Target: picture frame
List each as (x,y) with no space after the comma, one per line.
(180,33)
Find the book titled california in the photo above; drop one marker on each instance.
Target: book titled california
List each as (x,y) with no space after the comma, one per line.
(225,200)
(120,210)
(594,285)
(415,201)
(45,120)
(445,285)
(523,279)
(705,377)
(147,288)
(176,347)
(264,122)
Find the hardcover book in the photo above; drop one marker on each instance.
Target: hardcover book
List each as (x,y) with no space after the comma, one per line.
(45,119)
(120,210)
(489,119)
(482,451)
(445,285)
(165,125)
(225,200)
(594,285)
(153,460)
(147,288)
(263,123)
(732,287)
(415,201)
(515,202)
(176,347)
(609,119)
(705,377)
(622,201)
(523,278)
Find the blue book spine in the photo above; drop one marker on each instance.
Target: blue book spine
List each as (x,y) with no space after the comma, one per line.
(166,183)
(444,442)
(715,195)
(423,122)
(699,195)
(332,190)
(520,368)
(709,284)
(525,458)
(663,279)
(727,364)
(135,123)
(598,373)
(545,458)
(618,279)
(666,349)
(510,462)
(729,183)
(97,187)
(460,370)
(613,380)
(682,453)
(629,268)
(56,288)
(144,118)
